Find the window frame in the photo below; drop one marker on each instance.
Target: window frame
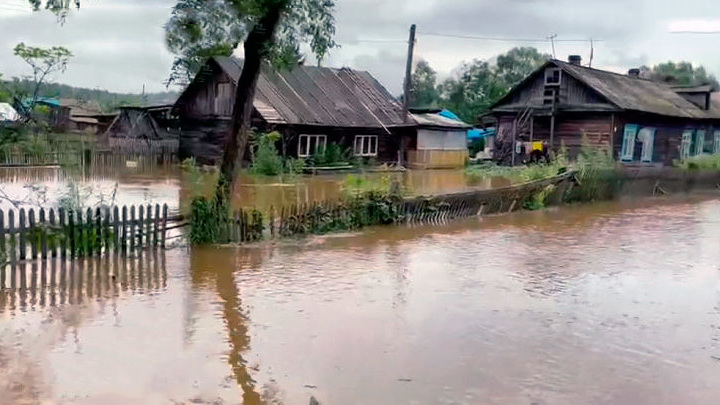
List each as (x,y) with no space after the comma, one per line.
(647,137)
(716,145)
(700,137)
(550,72)
(307,151)
(686,143)
(363,139)
(627,151)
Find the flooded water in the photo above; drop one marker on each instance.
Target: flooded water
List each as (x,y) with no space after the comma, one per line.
(604,303)
(141,182)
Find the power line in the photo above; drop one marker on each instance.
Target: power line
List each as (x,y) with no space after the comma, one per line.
(502,39)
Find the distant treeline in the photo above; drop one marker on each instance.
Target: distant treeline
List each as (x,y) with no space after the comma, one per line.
(107,101)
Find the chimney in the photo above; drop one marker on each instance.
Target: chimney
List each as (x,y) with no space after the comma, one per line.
(634,72)
(575,60)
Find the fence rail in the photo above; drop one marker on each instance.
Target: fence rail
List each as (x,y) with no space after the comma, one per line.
(76,233)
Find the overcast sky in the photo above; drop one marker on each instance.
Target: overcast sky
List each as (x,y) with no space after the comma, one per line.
(119,44)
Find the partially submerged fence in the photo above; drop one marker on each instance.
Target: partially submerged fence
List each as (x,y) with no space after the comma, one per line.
(77,233)
(134,146)
(21,159)
(375,209)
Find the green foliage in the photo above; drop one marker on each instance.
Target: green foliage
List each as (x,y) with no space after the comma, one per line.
(700,162)
(331,155)
(358,184)
(478,85)
(475,146)
(198,29)
(266,160)
(207,221)
(597,176)
(679,73)
(539,200)
(423,88)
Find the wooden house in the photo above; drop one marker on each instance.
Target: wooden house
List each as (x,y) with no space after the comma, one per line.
(310,106)
(641,122)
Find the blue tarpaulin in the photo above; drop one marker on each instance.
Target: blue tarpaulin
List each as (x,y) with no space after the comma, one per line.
(477,133)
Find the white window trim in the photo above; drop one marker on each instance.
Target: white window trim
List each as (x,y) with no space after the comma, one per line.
(627,152)
(716,145)
(319,139)
(363,139)
(647,137)
(548,74)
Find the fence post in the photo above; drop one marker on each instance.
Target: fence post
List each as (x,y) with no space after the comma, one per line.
(149,220)
(72,232)
(98,232)
(43,235)
(141,225)
(21,236)
(164,224)
(54,239)
(33,233)
(272,222)
(132,228)
(13,252)
(116,234)
(88,232)
(63,232)
(156,224)
(123,231)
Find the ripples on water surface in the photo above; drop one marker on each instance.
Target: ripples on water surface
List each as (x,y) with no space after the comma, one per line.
(608,303)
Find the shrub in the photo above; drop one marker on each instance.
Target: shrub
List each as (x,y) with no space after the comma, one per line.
(267,160)
(207,221)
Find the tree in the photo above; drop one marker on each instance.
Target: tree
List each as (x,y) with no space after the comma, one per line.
(5,95)
(473,92)
(518,63)
(423,88)
(271,32)
(679,73)
(44,62)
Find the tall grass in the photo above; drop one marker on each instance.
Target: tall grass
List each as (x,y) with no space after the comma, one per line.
(701,162)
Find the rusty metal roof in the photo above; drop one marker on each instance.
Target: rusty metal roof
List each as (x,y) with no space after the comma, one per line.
(310,95)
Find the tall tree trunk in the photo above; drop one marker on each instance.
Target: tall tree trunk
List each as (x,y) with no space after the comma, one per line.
(256,45)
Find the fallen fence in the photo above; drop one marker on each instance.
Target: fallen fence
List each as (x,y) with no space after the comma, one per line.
(355,213)
(76,233)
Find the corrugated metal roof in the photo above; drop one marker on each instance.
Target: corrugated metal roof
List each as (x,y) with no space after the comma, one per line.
(310,95)
(438,121)
(632,93)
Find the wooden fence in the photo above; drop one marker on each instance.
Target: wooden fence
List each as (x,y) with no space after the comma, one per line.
(19,159)
(356,213)
(135,146)
(62,233)
(52,283)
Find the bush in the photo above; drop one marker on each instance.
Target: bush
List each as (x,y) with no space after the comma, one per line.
(207,221)
(597,176)
(332,155)
(267,160)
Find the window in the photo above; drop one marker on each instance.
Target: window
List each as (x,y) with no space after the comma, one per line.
(685,145)
(647,137)
(308,145)
(716,145)
(628,145)
(553,76)
(699,142)
(223,98)
(366,145)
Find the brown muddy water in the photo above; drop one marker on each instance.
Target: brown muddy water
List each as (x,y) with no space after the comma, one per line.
(147,183)
(604,303)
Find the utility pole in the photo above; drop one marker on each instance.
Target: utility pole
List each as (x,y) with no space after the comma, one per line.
(406,93)
(408,74)
(552,42)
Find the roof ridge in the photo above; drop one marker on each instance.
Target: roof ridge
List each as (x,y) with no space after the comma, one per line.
(609,72)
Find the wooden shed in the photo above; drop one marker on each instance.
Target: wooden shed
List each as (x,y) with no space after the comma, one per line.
(441,141)
(142,130)
(639,121)
(310,106)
